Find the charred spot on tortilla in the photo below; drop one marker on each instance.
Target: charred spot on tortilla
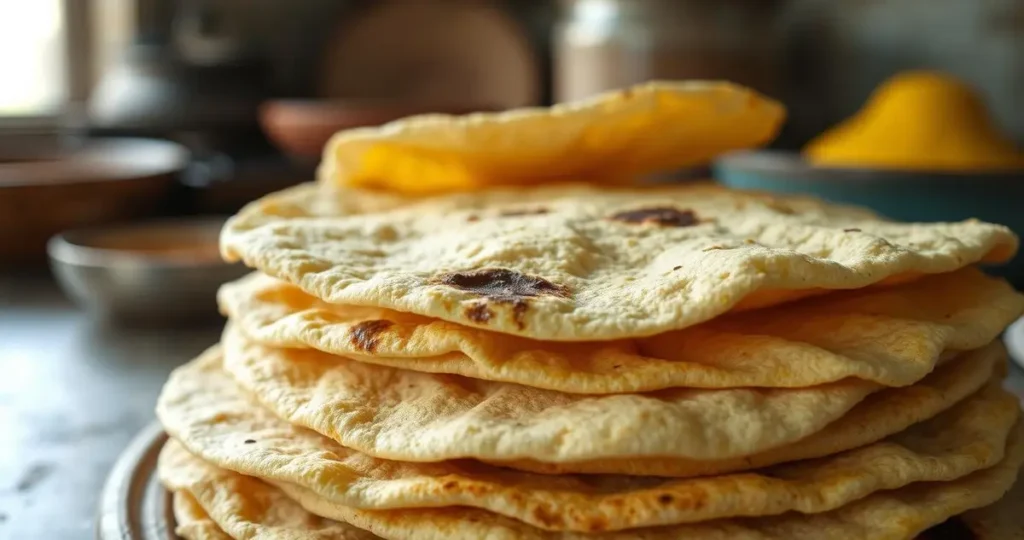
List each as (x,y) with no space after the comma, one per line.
(479,312)
(524,212)
(473,218)
(500,286)
(500,283)
(366,335)
(663,216)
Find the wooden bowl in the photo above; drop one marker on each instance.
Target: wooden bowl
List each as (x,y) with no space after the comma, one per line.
(46,188)
(301,128)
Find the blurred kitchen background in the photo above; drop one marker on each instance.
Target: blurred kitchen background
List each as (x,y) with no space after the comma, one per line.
(116,111)
(130,128)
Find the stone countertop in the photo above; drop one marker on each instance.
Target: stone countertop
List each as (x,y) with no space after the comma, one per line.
(73,393)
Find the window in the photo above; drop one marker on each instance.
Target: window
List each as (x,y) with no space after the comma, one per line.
(53,51)
(32,57)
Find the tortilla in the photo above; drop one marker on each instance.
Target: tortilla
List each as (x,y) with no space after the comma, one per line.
(411,416)
(652,127)
(579,263)
(880,415)
(893,336)
(192,522)
(209,501)
(224,427)
(888,515)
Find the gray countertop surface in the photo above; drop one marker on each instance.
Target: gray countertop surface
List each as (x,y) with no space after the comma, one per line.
(73,392)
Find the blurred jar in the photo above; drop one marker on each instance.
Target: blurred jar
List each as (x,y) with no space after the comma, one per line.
(605,44)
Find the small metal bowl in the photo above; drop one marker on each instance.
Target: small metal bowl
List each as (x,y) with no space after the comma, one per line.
(124,273)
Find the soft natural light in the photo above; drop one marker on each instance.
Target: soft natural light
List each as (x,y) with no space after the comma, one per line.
(31,57)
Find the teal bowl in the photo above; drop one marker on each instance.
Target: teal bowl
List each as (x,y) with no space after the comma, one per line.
(901,195)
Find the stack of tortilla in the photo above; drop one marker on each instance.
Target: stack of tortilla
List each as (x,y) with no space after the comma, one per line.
(446,339)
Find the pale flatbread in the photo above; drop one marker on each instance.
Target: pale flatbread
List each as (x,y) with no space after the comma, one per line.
(882,414)
(891,515)
(192,522)
(579,263)
(209,501)
(228,429)
(892,336)
(652,127)
(412,416)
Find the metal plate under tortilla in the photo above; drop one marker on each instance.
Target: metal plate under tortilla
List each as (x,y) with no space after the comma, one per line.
(133,504)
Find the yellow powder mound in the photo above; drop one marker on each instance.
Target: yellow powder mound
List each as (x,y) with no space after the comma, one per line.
(920,121)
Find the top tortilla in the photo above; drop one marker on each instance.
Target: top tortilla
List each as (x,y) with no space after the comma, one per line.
(652,127)
(582,263)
